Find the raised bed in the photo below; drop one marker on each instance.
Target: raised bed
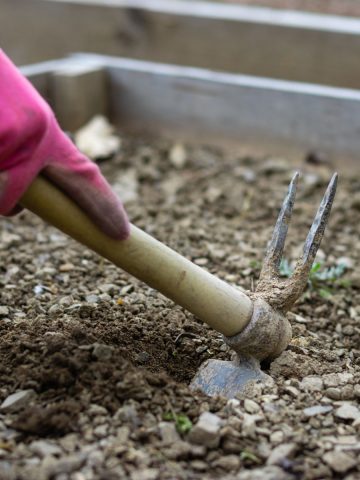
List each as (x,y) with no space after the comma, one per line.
(263,115)
(255,41)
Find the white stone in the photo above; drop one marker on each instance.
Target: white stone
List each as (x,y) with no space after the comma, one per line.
(178,156)
(317,410)
(348,412)
(207,430)
(251,406)
(263,473)
(339,461)
(168,433)
(278,454)
(44,448)
(17,400)
(4,311)
(102,352)
(312,383)
(337,379)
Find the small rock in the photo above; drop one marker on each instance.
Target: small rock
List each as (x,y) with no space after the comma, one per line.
(143,357)
(168,433)
(337,379)
(54,309)
(202,261)
(251,406)
(68,464)
(66,267)
(92,298)
(101,431)
(102,352)
(44,448)
(275,165)
(317,410)
(17,400)
(277,437)
(264,473)
(227,462)
(207,430)
(280,453)
(178,451)
(333,393)
(339,461)
(145,474)
(347,262)
(178,156)
(199,465)
(348,412)
(4,311)
(108,288)
(7,471)
(96,139)
(312,383)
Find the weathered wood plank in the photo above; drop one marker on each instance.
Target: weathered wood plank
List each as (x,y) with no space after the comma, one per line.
(272,43)
(271,116)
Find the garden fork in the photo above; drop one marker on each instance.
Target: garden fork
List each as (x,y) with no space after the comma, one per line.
(253,324)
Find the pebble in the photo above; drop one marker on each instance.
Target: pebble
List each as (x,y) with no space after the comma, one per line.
(227,462)
(102,352)
(178,156)
(44,448)
(168,433)
(251,406)
(145,474)
(267,473)
(68,464)
(178,451)
(348,412)
(333,393)
(312,384)
(7,472)
(317,410)
(17,400)
(339,461)
(92,298)
(337,379)
(346,262)
(207,430)
(108,288)
(280,453)
(4,311)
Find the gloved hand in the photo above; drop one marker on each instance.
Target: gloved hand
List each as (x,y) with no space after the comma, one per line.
(31,142)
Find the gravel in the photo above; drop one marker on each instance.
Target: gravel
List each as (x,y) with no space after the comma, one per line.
(110,359)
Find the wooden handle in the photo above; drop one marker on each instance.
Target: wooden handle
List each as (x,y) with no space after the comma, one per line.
(223,307)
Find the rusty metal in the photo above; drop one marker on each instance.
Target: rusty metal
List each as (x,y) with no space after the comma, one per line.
(269,332)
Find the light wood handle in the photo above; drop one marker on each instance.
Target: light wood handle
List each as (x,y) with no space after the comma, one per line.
(222,306)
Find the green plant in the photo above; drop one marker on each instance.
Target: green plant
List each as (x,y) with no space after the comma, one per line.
(246,455)
(322,279)
(183,423)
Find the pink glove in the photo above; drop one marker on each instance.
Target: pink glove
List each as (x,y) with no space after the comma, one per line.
(31,141)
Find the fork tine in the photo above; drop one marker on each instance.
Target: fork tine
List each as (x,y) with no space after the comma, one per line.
(276,247)
(316,232)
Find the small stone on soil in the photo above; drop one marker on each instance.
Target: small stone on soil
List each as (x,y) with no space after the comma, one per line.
(17,401)
(207,430)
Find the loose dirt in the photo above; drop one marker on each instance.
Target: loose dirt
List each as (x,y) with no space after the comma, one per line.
(105,361)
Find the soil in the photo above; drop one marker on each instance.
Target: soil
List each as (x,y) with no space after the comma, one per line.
(332,7)
(108,360)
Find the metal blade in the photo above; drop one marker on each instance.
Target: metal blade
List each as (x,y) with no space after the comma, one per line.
(275,250)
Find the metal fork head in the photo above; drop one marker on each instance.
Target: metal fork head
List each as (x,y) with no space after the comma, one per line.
(282,294)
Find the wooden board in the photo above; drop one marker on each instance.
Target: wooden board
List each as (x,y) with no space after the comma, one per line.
(266,115)
(255,41)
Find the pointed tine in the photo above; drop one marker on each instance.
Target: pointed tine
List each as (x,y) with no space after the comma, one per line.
(316,232)
(275,250)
